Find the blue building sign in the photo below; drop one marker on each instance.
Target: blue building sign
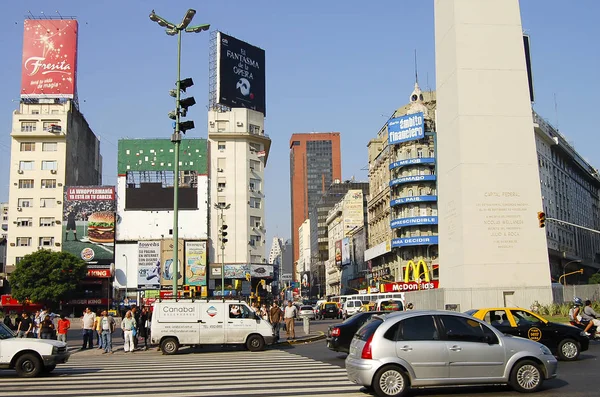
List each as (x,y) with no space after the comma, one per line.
(409,241)
(414,221)
(418,160)
(406,128)
(412,178)
(412,199)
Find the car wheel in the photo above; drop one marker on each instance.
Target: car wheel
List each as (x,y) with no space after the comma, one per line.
(255,343)
(49,368)
(28,366)
(390,381)
(568,350)
(526,377)
(169,346)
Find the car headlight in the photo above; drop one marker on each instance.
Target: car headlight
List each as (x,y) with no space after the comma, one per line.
(545,350)
(54,350)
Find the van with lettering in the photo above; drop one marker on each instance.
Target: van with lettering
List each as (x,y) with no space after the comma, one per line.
(213,322)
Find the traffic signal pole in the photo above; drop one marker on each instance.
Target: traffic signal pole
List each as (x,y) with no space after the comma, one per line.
(574,225)
(176,139)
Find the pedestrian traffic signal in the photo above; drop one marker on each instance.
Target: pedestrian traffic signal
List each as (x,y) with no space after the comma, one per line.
(542,219)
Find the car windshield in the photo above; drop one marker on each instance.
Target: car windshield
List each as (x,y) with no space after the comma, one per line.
(306,308)
(330,306)
(5,332)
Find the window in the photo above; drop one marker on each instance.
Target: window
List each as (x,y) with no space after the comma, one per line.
(46,241)
(49,164)
(24,202)
(48,183)
(44,222)
(48,203)
(49,147)
(524,318)
(23,241)
(24,222)
(419,152)
(54,111)
(36,111)
(418,328)
(255,240)
(254,129)
(28,126)
(255,221)
(466,330)
(25,183)
(18,259)
(254,202)
(26,165)
(254,165)
(27,146)
(221,145)
(48,125)
(254,184)
(221,186)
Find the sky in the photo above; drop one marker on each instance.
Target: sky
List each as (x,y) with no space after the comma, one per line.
(330,65)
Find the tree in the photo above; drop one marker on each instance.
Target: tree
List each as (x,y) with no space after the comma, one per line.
(47,276)
(595,279)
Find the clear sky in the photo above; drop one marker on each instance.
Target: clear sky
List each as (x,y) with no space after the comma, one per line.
(331,66)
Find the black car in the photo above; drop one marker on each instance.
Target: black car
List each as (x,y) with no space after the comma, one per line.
(328,310)
(339,336)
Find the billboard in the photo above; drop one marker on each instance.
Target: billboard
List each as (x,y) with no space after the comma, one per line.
(240,74)
(149,265)
(406,128)
(195,263)
(345,251)
(49,62)
(305,281)
(89,222)
(166,259)
(338,253)
(237,271)
(261,271)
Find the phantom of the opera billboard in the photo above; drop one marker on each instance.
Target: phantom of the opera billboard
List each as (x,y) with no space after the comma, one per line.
(241,74)
(49,62)
(89,222)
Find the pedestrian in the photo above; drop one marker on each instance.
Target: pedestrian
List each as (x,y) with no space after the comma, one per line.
(107,327)
(87,322)
(25,327)
(264,313)
(63,326)
(136,318)
(46,328)
(275,318)
(128,327)
(144,326)
(36,324)
(8,322)
(289,317)
(98,329)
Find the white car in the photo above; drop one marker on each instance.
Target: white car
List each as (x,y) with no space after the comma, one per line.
(307,311)
(30,357)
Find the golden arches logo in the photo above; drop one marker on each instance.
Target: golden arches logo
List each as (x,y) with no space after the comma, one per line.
(416,268)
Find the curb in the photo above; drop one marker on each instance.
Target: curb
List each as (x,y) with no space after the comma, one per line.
(321,335)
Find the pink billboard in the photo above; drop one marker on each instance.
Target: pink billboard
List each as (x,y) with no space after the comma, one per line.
(49,58)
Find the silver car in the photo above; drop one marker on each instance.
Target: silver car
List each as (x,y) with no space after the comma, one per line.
(306,311)
(396,351)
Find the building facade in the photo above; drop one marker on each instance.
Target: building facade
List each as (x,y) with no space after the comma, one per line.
(315,163)
(402,209)
(52,146)
(4,210)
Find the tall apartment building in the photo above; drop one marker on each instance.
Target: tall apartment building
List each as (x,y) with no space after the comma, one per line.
(52,146)
(315,163)
(239,149)
(4,211)
(318,222)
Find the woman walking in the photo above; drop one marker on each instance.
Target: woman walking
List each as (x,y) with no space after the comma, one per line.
(128,325)
(144,326)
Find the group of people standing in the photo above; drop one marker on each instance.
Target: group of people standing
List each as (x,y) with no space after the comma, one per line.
(276,316)
(42,325)
(134,325)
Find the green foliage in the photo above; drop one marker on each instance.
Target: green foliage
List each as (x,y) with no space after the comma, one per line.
(595,279)
(47,277)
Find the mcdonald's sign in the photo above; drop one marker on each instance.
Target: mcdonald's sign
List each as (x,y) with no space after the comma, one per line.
(416,271)
(417,283)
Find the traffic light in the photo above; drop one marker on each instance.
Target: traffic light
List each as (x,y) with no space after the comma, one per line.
(542,219)
(183,104)
(186,291)
(248,276)
(223,234)
(186,125)
(263,282)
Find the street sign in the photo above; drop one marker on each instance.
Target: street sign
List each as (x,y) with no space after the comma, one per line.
(286,277)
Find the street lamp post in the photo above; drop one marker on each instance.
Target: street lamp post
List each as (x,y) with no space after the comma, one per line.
(565,269)
(173,30)
(222,240)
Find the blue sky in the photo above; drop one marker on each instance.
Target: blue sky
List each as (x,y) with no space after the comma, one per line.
(331,66)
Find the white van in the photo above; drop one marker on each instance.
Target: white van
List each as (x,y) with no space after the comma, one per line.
(350,307)
(188,322)
(389,305)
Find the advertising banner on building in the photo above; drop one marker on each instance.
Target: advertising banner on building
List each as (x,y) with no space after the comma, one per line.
(406,128)
(49,58)
(167,268)
(195,263)
(345,251)
(241,74)
(149,265)
(338,254)
(305,283)
(261,271)
(89,222)
(237,271)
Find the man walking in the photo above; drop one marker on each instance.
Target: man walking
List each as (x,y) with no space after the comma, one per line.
(89,318)
(107,327)
(275,319)
(25,326)
(290,316)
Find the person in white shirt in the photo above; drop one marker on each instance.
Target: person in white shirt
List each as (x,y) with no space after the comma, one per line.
(88,320)
(289,316)
(107,327)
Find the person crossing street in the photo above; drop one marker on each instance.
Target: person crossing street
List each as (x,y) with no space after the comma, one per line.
(289,317)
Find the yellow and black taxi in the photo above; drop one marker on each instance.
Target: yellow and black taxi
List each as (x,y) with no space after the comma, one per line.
(563,340)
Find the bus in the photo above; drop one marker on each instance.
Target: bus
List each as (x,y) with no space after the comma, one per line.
(366,298)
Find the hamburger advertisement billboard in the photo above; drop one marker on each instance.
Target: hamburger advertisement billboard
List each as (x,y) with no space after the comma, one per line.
(89,223)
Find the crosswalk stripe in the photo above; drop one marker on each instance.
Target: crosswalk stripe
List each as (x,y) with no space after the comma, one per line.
(271,373)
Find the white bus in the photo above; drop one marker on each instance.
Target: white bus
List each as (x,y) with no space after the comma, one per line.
(366,298)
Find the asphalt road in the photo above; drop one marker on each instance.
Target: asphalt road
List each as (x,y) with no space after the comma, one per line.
(575,379)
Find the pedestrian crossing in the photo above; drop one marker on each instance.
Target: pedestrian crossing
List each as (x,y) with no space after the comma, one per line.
(270,373)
